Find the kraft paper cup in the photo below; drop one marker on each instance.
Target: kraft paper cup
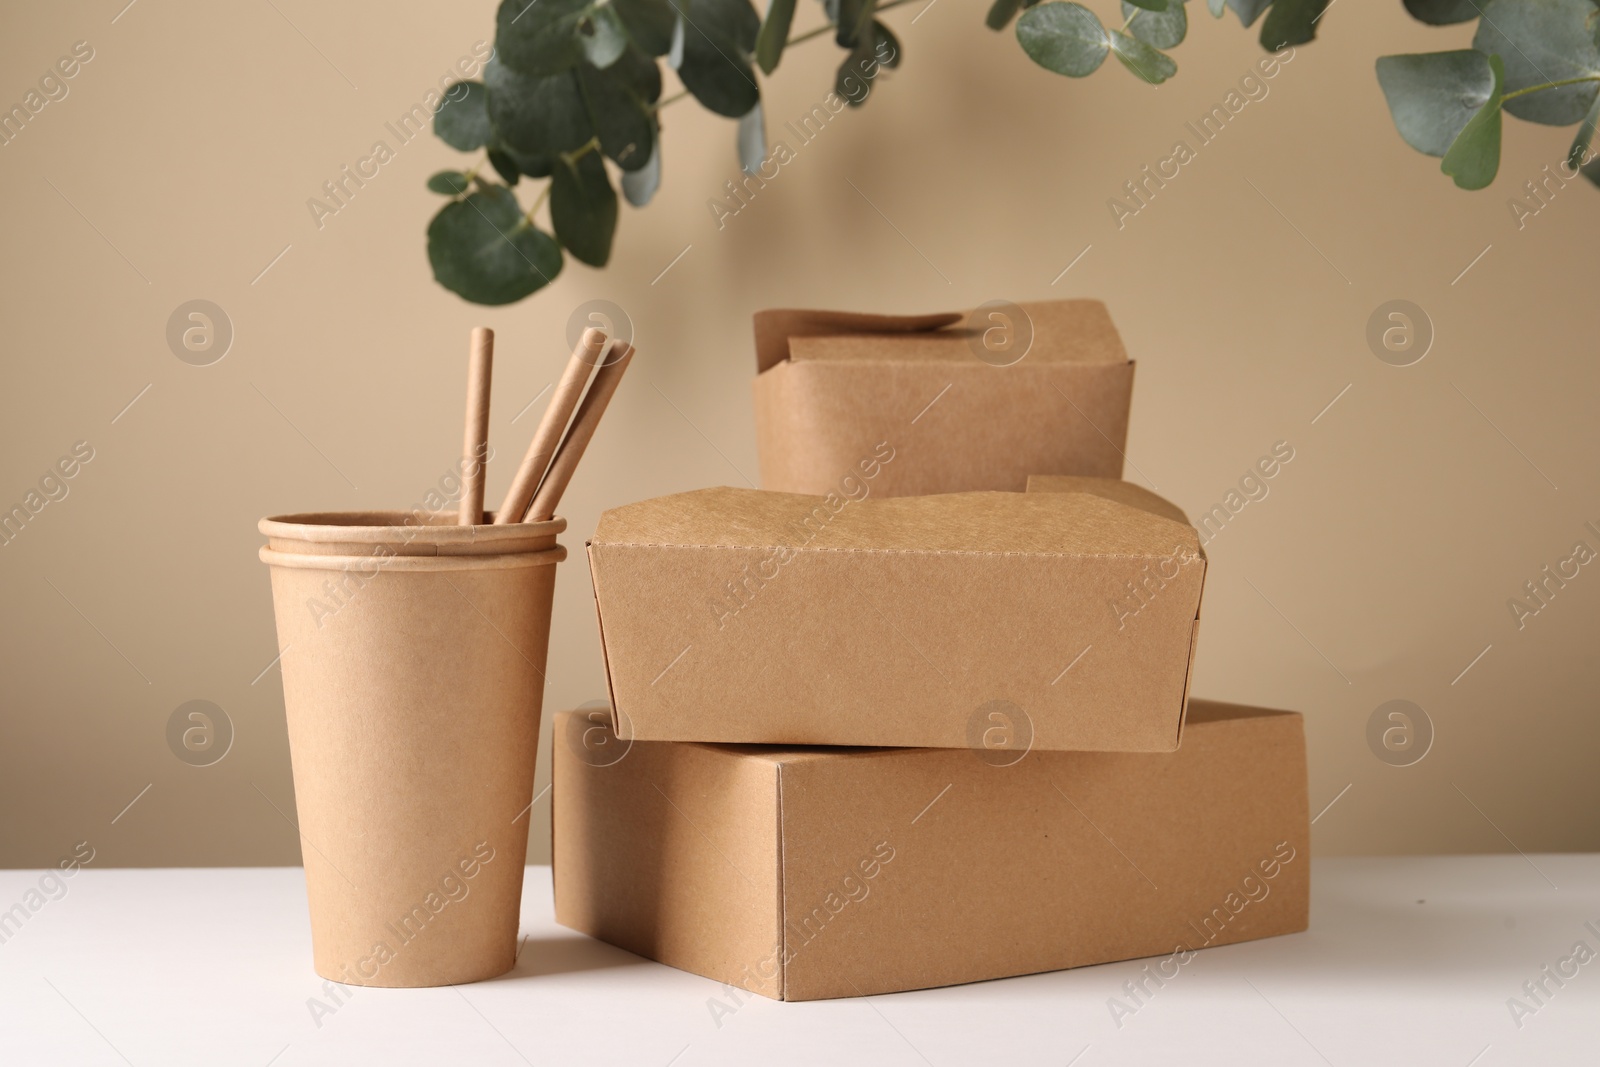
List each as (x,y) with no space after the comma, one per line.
(413,658)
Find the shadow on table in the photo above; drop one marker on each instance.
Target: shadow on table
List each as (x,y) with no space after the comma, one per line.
(541,957)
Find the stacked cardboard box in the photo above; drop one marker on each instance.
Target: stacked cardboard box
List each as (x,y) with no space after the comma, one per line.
(862,741)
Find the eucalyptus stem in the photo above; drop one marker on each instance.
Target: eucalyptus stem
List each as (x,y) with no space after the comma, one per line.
(538,202)
(673,99)
(569,158)
(818,32)
(1550,85)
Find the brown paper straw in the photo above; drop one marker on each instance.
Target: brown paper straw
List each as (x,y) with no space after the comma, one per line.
(584,424)
(475,446)
(551,427)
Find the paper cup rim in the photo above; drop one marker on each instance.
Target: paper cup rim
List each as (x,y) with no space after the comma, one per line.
(409,532)
(395,562)
(379,525)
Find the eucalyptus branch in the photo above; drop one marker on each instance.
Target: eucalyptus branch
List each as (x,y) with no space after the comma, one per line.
(1430,96)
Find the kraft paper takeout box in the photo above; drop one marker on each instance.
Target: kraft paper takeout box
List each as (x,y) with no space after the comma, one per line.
(806,873)
(835,386)
(413,658)
(1051,620)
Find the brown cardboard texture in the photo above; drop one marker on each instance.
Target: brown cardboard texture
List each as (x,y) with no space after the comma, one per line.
(413,669)
(1058,621)
(807,873)
(1112,489)
(835,387)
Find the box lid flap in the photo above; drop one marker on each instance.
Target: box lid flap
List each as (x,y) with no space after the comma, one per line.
(775,327)
(1055,524)
(1204,712)
(1111,488)
(1062,331)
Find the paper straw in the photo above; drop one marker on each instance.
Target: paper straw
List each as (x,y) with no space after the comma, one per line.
(554,423)
(475,445)
(584,424)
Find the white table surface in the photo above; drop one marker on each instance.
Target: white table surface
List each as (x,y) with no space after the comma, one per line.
(1408,961)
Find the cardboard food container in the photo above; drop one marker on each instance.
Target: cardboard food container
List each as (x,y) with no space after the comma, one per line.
(413,657)
(1050,620)
(803,874)
(965,402)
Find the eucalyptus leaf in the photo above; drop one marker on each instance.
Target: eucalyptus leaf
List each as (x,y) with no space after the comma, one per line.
(640,73)
(449,183)
(1248,10)
(583,209)
(1217,7)
(675,50)
(854,18)
(774,34)
(886,48)
(752,141)
(1543,41)
(462,121)
(530,164)
(1433,96)
(504,166)
(603,36)
(1001,12)
(539,37)
(859,72)
(1291,22)
(649,24)
(1576,155)
(640,185)
(536,116)
(847,80)
(1064,37)
(1153,5)
(1148,63)
(1444,12)
(734,21)
(482,249)
(618,102)
(1474,157)
(1591,170)
(1160,29)
(718,41)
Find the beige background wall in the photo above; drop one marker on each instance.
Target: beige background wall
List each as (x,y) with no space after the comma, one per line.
(1378,568)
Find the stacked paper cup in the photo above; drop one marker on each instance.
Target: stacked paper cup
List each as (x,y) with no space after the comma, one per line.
(413,672)
(413,647)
